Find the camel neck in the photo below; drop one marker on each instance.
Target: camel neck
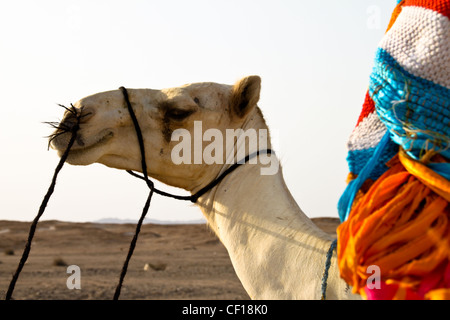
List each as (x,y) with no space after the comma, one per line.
(275,249)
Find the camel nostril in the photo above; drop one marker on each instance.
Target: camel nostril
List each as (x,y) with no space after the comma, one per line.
(86,114)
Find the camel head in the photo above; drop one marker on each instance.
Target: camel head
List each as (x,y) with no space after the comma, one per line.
(166,117)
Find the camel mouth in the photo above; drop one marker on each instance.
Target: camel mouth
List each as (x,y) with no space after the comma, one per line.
(101,140)
(83,149)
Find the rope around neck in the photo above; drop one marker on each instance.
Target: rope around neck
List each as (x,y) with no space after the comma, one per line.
(193,198)
(327,268)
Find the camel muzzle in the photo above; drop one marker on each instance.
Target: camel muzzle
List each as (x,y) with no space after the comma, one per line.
(71,121)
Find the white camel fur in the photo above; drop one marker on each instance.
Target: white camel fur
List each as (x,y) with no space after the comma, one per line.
(276,250)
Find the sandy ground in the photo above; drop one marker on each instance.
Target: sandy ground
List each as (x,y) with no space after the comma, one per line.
(183,261)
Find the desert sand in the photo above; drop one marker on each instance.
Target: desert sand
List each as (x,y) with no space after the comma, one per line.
(169,262)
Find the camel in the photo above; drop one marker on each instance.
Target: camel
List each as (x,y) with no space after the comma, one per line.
(276,250)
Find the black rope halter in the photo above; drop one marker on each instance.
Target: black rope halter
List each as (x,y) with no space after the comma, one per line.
(193,198)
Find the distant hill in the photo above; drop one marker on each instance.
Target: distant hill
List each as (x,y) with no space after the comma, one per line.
(148,221)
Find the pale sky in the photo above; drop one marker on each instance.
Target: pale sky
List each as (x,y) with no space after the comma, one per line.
(314,58)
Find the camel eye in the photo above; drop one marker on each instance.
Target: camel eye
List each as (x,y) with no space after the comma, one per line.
(177,114)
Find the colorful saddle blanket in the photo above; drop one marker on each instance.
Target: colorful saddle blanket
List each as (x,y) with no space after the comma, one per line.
(395,211)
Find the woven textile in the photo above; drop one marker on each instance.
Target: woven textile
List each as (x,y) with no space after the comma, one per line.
(402,136)
(412,70)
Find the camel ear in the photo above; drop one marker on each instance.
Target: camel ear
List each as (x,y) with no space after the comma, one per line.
(245,95)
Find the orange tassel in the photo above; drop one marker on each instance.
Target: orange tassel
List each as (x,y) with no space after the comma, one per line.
(401,225)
